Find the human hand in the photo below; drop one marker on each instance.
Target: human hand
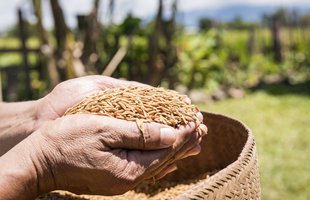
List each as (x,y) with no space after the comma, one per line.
(21,119)
(101,155)
(54,105)
(108,156)
(70,92)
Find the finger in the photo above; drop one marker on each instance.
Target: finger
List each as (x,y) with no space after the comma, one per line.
(199,116)
(173,156)
(192,152)
(153,161)
(185,132)
(161,171)
(153,165)
(204,129)
(187,100)
(192,141)
(118,133)
(190,144)
(167,170)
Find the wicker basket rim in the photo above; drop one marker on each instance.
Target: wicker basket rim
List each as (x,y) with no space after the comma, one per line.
(221,181)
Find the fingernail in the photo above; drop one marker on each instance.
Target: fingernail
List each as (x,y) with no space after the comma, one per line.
(187,100)
(172,168)
(198,141)
(175,167)
(199,116)
(204,129)
(167,136)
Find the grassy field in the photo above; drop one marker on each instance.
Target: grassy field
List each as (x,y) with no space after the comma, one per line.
(279,118)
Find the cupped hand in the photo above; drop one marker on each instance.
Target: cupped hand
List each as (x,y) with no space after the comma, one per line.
(102,155)
(70,92)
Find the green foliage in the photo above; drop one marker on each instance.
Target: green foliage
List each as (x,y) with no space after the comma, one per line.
(31,29)
(206,24)
(135,62)
(208,60)
(224,56)
(239,24)
(131,25)
(305,20)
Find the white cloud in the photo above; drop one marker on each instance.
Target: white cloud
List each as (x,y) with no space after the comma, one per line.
(140,8)
(187,5)
(275,2)
(8,12)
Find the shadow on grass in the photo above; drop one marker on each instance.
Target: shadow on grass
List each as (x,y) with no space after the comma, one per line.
(284,88)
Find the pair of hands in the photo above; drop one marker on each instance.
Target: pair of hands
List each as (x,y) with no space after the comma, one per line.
(95,154)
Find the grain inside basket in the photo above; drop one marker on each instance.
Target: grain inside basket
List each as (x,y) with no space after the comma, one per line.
(161,190)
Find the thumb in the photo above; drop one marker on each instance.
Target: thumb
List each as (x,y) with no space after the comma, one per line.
(126,134)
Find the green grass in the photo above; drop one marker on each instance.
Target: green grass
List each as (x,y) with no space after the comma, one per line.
(280,124)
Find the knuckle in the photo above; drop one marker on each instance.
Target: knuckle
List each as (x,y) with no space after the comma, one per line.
(151,136)
(145,136)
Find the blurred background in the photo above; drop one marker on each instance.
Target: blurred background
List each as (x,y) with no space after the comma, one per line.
(247,59)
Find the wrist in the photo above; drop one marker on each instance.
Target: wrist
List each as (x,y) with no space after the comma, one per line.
(23,172)
(22,115)
(41,162)
(18,121)
(18,175)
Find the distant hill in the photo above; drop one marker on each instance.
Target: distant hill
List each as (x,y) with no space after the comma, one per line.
(227,13)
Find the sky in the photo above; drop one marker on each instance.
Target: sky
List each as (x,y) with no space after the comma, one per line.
(140,8)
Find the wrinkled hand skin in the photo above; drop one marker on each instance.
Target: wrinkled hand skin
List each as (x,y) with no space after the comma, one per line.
(20,119)
(64,96)
(108,156)
(88,154)
(71,92)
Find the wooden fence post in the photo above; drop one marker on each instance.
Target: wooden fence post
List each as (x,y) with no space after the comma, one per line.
(23,39)
(277,47)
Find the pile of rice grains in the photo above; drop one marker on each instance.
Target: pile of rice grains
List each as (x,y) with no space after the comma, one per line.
(161,190)
(139,104)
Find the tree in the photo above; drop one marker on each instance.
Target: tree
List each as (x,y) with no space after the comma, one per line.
(206,24)
(274,21)
(239,23)
(63,51)
(90,53)
(31,30)
(155,67)
(47,50)
(130,25)
(162,55)
(304,20)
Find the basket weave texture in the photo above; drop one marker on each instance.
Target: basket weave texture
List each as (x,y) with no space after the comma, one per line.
(228,148)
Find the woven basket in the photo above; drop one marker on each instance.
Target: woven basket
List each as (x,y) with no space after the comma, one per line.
(228,148)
